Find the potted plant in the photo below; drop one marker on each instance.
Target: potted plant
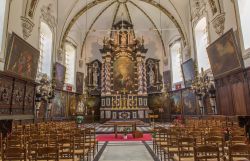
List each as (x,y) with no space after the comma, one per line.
(125,132)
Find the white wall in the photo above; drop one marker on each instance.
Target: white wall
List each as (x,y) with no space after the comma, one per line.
(63,11)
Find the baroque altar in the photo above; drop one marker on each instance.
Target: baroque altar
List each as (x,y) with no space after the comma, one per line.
(124,75)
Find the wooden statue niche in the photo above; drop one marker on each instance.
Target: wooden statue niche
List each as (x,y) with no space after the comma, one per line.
(154,79)
(93,80)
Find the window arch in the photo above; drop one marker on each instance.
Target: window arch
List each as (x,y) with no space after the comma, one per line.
(244,12)
(3,11)
(176,60)
(70,59)
(46,49)
(201,41)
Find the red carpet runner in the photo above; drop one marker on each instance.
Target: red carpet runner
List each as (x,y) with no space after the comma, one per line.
(111,137)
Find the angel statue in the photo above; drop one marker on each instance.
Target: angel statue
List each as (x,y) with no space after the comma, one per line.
(44,92)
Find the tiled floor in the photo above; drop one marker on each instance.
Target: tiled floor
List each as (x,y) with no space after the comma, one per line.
(126,151)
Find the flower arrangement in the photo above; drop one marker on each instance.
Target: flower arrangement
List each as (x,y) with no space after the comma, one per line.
(125,131)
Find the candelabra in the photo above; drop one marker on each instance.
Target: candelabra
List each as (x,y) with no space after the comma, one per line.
(203,86)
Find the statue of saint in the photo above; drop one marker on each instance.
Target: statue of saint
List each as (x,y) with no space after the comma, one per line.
(123,38)
(95,77)
(151,74)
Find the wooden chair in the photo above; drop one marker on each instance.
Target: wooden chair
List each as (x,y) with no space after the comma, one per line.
(161,141)
(171,147)
(66,149)
(1,145)
(206,152)
(80,150)
(239,152)
(47,153)
(237,140)
(156,138)
(185,149)
(14,153)
(216,141)
(90,140)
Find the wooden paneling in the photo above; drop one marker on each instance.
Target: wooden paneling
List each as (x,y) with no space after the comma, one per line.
(233,93)
(6,86)
(29,99)
(17,95)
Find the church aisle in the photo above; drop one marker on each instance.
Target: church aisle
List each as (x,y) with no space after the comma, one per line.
(126,151)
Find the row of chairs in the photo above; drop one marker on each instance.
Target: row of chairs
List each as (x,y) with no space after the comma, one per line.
(49,141)
(199,140)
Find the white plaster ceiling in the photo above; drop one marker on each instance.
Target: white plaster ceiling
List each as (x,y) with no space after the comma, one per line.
(91,26)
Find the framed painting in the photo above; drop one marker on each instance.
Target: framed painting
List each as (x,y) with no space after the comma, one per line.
(189,102)
(72,104)
(224,55)
(79,82)
(59,104)
(167,78)
(60,71)
(176,103)
(188,71)
(21,59)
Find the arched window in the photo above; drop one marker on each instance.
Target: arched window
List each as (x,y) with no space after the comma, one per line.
(175,51)
(2,19)
(201,40)
(70,51)
(244,13)
(46,48)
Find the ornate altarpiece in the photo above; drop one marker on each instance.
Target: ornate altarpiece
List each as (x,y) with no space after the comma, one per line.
(123,76)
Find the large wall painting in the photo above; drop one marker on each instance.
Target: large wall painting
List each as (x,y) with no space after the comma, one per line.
(22,58)
(189,102)
(167,78)
(224,55)
(176,103)
(59,104)
(72,104)
(79,82)
(188,71)
(60,71)
(124,74)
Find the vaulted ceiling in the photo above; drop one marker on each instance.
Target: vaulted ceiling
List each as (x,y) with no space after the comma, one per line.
(86,22)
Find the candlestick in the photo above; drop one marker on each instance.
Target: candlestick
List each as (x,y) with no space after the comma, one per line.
(120,100)
(132,101)
(112,102)
(116,101)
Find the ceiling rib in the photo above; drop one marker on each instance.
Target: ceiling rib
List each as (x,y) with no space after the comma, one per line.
(157,31)
(129,16)
(97,17)
(115,15)
(170,16)
(151,2)
(78,14)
